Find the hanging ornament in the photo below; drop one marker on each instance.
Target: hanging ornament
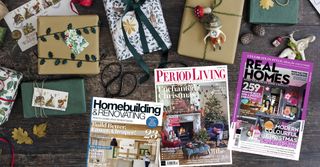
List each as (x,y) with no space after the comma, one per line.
(213,25)
(295,50)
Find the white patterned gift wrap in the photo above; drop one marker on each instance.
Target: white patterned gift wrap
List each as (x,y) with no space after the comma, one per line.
(152,9)
(9,83)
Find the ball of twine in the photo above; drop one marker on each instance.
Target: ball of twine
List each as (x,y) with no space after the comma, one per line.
(3,10)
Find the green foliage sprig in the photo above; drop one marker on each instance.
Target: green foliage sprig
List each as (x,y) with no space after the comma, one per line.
(63,61)
(60,35)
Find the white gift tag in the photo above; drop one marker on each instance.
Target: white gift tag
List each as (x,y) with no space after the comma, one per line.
(50,99)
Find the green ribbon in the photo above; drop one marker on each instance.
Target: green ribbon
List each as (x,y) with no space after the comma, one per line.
(134,5)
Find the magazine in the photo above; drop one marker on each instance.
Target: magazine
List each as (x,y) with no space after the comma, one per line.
(270,106)
(124,133)
(196,115)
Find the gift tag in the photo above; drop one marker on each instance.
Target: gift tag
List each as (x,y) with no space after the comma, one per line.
(50,99)
(77,43)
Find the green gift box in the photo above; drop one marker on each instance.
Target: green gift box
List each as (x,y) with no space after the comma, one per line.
(35,104)
(279,14)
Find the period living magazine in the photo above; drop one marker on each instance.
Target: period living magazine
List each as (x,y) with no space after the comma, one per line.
(124,133)
(196,115)
(270,106)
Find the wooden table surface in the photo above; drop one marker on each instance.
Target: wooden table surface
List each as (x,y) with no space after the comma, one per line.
(66,141)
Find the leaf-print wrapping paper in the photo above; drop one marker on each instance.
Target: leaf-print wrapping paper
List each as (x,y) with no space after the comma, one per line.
(152,9)
(9,83)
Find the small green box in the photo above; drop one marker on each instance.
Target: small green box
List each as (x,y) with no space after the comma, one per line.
(277,14)
(76,100)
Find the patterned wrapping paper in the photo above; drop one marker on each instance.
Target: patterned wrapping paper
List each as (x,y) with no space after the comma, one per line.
(9,83)
(152,9)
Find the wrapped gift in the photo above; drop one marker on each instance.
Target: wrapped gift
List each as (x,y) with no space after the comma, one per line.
(137,27)
(48,98)
(9,82)
(68,44)
(274,11)
(210,31)
(152,9)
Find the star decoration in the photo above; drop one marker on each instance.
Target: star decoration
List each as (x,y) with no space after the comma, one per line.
(266,4)
(129,26)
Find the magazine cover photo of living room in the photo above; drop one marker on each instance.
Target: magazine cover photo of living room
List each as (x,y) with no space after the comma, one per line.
(196,123)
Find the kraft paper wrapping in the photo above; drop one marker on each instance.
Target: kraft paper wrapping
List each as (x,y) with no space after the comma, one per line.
(3,10)
(76,101)
(191,43)
(60,49)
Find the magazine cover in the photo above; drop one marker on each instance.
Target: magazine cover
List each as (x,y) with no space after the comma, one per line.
(270,106)
(124,133)
(196,115)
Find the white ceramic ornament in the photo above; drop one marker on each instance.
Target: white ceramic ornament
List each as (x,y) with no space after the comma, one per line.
(296,48)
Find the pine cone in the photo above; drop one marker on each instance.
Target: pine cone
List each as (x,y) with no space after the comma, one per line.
(259,30)
(246,38)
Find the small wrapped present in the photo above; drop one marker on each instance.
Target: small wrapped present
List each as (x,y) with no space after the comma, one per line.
(9,82)
(48,98)
(274,11)
(210,29)
(152,9)
(68,44)
(137,27)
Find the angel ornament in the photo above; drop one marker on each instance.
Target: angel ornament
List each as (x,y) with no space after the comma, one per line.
(213,25)
(296,48)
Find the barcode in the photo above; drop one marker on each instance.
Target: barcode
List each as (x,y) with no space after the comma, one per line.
(172,163)
(236,143)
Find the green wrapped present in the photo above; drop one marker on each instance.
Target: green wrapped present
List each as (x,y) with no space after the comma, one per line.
(49,98)
(274,11)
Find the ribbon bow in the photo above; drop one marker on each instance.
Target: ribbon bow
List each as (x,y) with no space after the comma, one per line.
(135,5)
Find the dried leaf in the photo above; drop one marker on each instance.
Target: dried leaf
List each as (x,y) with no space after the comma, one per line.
(40,130)
(21,136)
(266,4)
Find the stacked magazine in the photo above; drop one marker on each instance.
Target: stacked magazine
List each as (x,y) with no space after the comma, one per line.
(189,124)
